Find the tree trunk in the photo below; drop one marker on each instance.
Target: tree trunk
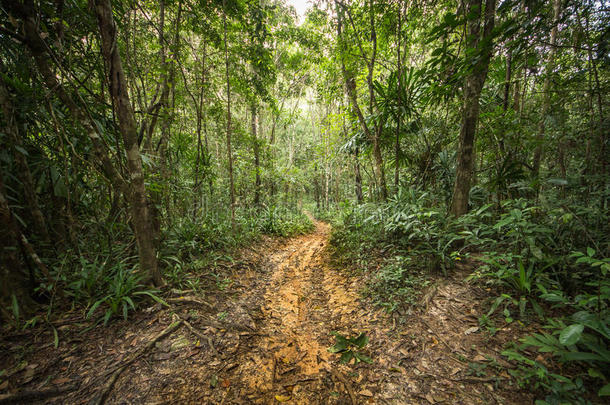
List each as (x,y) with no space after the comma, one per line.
(257,182)
(127,125)
(379,166)
(546,103)
(398,115)
(358,178)
(169,92)
(229,150)
(472,91)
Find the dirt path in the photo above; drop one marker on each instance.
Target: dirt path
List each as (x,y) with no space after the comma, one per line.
(301,305)
(263,339)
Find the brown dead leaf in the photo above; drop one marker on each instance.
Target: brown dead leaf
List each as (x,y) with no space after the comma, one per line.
(479,357)
(4,385)
(59,381)
(366,393)
(226,383)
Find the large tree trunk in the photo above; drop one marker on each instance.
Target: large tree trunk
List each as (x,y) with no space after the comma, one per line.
(123,109)
(546,102)
(472,91)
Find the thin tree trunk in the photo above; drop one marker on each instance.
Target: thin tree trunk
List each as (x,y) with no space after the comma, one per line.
(228,130)
(127,125)
(379,166)
(169,86)
(472,91)
(257,182)
(398,115)
(506,101)
(358,178)
(546,103)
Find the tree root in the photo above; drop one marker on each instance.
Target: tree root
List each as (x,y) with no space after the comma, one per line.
(175,325)
(27,396)
(190,300)
(201,336)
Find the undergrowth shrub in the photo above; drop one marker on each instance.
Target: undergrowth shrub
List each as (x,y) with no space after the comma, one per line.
(284,222)
(397,284)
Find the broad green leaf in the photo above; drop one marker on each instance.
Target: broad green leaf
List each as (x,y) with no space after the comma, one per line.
(346,357)
(604,391)
(361,341)
(571,334)
(361,357)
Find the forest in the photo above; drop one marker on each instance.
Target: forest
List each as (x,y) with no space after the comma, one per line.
(309,202)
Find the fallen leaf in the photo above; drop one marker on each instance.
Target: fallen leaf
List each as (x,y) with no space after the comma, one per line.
(226,383)
(282,398)
(4,385)
(59,381)
(366,393)
(471,330)
(214,381)
(478,357)
(430,399)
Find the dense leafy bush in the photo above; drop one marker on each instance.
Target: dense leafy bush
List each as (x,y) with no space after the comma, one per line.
(284,222)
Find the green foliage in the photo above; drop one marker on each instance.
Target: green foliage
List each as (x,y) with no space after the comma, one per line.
(350,348)
(122,291)
(396,283)
(580,338)
(284,222)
